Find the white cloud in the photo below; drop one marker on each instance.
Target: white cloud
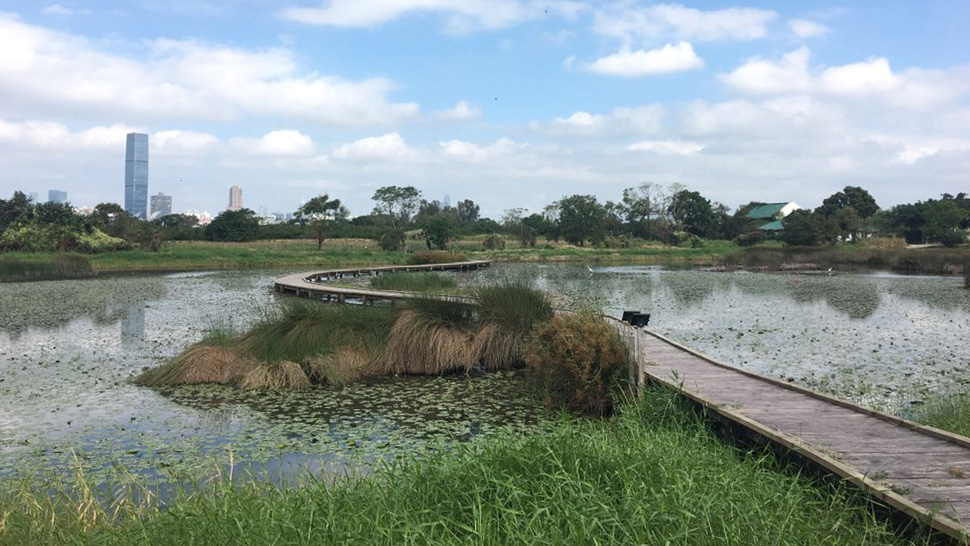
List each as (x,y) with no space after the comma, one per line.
(646,119)
(669,58)
(908,150)
(917,89)
(463,111)
(43,70)
(804,28)
(56,9)
(467,151)
(460,15)
(789,75)
(630,20)
(175,142)
(387,147)
(277,143)
(53,135)
(666,147)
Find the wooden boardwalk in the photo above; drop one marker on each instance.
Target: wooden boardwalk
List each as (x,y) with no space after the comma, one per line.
(315,284)
(921,471)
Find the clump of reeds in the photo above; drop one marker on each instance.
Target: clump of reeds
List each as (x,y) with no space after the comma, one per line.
(309,342)
(276,375)
(414,282)
(201,363)
(426,344)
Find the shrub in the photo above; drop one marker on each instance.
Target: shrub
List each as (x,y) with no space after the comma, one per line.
(617,242)
(392,241)
(436,257)
(494,242)
(750,239)
(577,361)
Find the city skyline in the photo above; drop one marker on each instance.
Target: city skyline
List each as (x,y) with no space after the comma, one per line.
(161,205)
(516,105)
(136,175)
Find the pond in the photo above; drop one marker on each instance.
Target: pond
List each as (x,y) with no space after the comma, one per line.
(68,348)
(877,338)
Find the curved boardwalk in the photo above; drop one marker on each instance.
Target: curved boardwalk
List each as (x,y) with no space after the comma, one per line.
(314,284)
(921,471)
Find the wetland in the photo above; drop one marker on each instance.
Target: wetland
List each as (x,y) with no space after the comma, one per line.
(69,348)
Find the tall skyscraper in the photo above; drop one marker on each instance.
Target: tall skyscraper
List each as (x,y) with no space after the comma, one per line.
(57,196)
(161,205)
(235,198)
(136,175)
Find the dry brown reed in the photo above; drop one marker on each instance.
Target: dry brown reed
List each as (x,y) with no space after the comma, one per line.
(276,375)
(418,345)
(199,364)
(344,366)
(496,348)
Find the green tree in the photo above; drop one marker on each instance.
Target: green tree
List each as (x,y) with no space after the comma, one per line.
(692,212)
(234,226)
(398,204)
(943,218)
(581,218)
(803,228)
(321,211)
(467,211)
(439,229)
(12,209)
(850,196)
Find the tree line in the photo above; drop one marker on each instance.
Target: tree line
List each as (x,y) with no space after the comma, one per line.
(671,214)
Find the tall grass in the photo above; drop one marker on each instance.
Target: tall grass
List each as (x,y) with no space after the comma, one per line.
(436,257)
(653,475)
(58,266)
(947,411)
(414,282)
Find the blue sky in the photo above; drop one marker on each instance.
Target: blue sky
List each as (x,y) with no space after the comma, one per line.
(511,103)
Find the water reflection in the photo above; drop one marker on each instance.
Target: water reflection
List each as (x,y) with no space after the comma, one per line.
(52,305)
(133,325)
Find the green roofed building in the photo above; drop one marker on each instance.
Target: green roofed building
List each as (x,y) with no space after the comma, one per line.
(772,213)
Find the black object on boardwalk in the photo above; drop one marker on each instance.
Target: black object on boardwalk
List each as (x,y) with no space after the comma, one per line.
(918,470)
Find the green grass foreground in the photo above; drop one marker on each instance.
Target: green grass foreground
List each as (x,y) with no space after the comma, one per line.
(655,474)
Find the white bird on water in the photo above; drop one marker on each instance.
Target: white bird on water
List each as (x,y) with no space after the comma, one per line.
(589,268)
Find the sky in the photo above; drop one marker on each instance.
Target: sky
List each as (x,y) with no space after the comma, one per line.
(510,103)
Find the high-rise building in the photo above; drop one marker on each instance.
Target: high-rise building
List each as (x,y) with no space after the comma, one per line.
(235,198)
(161,205)
(57,196)
(136,175)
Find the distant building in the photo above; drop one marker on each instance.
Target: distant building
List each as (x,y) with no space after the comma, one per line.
(161,205)
(136,175)
(57,196)
(447,201)
(771,214)
(235,198)
(202,216)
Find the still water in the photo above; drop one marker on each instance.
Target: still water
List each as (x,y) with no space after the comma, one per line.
(68,348)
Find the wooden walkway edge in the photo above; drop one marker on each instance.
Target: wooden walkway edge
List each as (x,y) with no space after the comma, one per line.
(920,471)
(314,284)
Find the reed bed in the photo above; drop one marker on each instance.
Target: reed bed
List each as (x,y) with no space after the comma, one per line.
(59,266)
(309,342)
(655,474)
